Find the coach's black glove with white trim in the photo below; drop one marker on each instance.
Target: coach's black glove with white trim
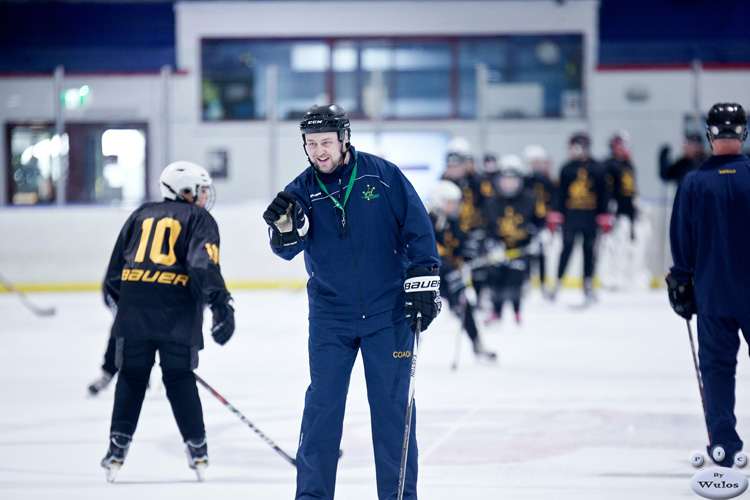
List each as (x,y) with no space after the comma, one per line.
(287,221)
(681,297)
(422,288)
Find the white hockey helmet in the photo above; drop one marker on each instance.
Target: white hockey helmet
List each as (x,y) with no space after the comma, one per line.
(182,177)
(511,164)
(459,145)
(534,153)
(443,192)
(510,178)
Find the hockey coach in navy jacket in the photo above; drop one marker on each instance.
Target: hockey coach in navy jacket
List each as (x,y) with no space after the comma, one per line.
(367,241)
(711,273)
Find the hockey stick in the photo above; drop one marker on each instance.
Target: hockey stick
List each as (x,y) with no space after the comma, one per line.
(459,334)
(698,376)
(409,409)
(39,311)
(234,410)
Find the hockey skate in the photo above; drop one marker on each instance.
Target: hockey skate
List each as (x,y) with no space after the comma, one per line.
(482,353)
(118,450)
(588,292)
(494,317)
(197,455)
(551,295)
(100,384)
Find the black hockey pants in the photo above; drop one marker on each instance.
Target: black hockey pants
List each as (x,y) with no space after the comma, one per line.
(135,358)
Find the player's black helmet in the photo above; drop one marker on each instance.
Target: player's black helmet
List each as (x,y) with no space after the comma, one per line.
(326,118)
(726,120)
(581,139)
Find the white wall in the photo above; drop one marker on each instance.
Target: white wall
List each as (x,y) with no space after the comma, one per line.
(69,247)
(36,240)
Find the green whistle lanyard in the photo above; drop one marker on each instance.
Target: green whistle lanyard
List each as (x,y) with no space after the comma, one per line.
(336,202)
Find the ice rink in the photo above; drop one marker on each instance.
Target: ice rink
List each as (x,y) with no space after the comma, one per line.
(583,404)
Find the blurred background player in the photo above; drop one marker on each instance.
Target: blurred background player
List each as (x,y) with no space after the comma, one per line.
(455,249)
(540,183)
(620,168)
(511,230)
(163,272)
(617,251)
(693,154)
(711,272)
(459,169)
(581,208)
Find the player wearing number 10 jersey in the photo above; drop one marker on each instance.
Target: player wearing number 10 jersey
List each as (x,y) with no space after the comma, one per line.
(163,271)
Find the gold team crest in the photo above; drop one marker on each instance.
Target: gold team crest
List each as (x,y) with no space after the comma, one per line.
(510,227)
(581,192)
(369,193)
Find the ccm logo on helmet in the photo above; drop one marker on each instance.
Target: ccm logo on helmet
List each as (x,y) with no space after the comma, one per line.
(313,122)
(402,354)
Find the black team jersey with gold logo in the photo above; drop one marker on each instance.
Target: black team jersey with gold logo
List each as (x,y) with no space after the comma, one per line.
(582,193)
(163,271)
(453,243)
(514,221)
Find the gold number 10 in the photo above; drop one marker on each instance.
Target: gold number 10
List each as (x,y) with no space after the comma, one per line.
(156,254)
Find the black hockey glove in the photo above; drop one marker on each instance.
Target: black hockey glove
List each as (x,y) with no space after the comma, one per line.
(223,326)
(454,281)
(681,297)
(111,303)
(422,288)
(287,221)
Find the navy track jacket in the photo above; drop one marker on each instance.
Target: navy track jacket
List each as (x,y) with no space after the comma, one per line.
(710,237)
(359,272)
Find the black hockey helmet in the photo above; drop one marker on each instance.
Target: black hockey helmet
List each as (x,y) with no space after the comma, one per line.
(581,139)
(726,121)
(696,138)
(326,118)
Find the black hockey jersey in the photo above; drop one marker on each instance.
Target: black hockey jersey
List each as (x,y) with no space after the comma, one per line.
(163,271)
(470,209)
(582,193)
(543,190)
(453,244)
(623,185)
(513,221)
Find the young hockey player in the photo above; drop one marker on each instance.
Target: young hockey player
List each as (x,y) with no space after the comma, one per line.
(581,207)
(514,223)
(540,183)
(456,250)
(163,271)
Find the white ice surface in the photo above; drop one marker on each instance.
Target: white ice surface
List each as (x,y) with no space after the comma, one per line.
(594,404)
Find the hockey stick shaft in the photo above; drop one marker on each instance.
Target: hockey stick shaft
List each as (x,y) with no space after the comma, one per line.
(698,376)
(39,311)
(409,410)
(234,410)
(459,334)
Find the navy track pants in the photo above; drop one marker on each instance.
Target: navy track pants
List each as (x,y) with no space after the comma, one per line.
(718,345)
(386,355)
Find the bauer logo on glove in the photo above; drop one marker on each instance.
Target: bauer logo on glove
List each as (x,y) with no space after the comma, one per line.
(422,284)
(422,288)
